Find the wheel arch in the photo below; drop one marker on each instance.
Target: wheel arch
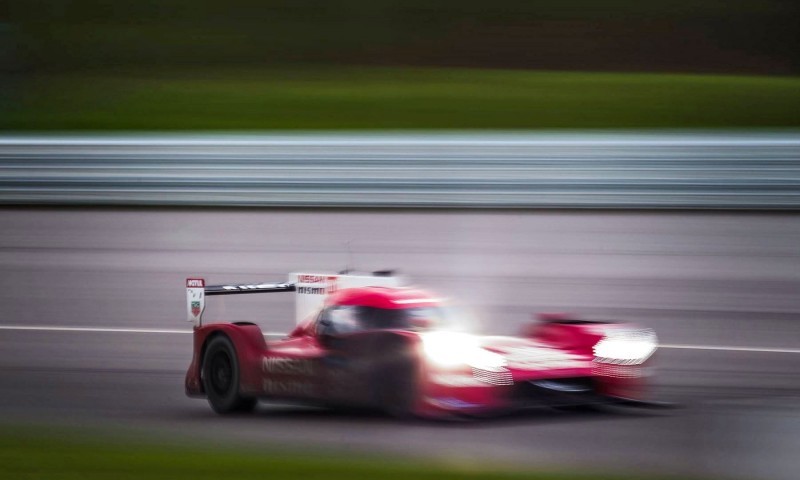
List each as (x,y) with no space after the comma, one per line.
(249,346)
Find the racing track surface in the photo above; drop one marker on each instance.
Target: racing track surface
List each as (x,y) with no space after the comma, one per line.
(705,281)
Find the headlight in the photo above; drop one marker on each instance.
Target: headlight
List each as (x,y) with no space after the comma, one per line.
(630,347)
(450,349)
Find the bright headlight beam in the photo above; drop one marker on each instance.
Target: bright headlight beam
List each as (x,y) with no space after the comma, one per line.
(448,349)
(451,349)
(626,347)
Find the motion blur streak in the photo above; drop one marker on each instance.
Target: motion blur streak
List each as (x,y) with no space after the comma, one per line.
(45,328)
(473,170)
(698,279)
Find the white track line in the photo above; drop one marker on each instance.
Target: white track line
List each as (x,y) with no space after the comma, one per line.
(732,349)
(48,328)
(52,328)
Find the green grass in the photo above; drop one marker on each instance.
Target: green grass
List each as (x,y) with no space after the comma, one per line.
(394,98)
(30,456)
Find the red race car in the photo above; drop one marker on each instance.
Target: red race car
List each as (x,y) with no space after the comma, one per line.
(368,341)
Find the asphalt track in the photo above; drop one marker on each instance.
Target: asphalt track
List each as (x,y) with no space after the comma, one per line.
(92,329)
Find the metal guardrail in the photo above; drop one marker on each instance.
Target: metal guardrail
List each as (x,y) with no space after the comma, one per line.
(544,170)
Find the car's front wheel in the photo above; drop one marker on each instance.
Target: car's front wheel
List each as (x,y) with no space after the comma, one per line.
(220,376)
(395,382)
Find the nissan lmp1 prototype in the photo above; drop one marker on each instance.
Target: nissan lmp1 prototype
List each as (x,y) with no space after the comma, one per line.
(368,341)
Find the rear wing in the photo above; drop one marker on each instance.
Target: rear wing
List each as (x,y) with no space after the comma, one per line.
(310,289)
(252,288)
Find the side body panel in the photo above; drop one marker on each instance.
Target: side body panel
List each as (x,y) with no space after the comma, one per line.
(346,371)
(356,370)
(299,368)
(293,369)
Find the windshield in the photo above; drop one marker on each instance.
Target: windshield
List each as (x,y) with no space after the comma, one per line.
(350,318)
(417,318)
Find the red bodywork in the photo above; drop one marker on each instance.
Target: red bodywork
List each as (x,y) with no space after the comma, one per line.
(555,353)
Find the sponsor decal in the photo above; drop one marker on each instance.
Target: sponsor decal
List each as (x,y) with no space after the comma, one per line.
(288,388)
(311,290)
(311,278)
(195,283)
(287,366)
(195,308)
(317,284)
(332,285)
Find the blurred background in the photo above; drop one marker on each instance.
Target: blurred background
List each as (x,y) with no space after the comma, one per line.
(619,159)
(204,64)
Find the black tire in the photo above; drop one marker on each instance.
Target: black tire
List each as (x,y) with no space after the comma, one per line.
(397,387)
(220,374)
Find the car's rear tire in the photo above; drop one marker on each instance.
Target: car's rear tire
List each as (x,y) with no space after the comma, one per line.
(220,375)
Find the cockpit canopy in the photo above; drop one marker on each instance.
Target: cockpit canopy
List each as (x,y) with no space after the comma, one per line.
(380,308)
